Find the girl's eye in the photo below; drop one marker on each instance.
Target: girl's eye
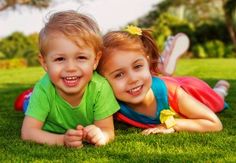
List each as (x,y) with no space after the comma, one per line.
(59,59)
(119,75)
(138,66)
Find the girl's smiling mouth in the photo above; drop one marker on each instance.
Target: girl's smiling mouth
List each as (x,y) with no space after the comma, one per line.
(135,91)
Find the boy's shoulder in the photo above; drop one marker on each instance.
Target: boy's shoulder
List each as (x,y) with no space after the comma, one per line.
(98,82)
(45,83)
(97,78)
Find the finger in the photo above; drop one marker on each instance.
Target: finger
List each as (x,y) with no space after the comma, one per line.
(146,131)
(89,128)
(69,139)
(91,136)
(100,141)
(75,138)
(156,131)
(94,139)
(72,132)
(79,127)
(75,144)
(168,131)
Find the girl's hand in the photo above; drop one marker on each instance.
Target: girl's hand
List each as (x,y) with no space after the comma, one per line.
(94,135)
(74,138)
(160,129)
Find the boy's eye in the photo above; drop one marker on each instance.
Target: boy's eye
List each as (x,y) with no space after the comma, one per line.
(59,59)
(82,57)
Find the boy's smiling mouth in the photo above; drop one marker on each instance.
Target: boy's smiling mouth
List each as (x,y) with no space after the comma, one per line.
(71,81)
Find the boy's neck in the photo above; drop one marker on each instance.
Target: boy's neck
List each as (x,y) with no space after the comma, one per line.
(73,99)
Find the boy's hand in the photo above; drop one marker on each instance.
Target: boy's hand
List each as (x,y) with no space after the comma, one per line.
(94,135)
(160,129)
(74,138)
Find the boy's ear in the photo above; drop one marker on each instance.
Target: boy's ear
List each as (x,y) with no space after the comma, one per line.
(42,61)
(97,58)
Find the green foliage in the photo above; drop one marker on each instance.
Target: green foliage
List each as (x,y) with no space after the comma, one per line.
(167,25)
(203,21)
(129,145)
(14,45)
(13,63)
(2,55)
(213,49)
(149,19)
(212,31)
(17,45)
(199,51)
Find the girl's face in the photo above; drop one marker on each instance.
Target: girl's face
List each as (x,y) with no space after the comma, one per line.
(69,67)
(128,74)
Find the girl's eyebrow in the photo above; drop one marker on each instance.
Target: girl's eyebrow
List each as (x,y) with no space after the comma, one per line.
(120,69)
(139,59)
(115,71)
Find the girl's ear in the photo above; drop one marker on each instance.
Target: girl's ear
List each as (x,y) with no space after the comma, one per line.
(42,61)
(97,58)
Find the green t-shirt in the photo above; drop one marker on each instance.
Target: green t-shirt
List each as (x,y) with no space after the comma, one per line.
(98,102)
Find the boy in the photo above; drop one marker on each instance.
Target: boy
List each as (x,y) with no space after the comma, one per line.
(67,105)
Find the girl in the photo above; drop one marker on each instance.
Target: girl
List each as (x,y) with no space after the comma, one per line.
(160,105)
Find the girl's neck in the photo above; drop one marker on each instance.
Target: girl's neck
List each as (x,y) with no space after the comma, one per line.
(147,106)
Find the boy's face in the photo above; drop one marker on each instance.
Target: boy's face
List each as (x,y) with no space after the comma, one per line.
(129,75)
(70,67)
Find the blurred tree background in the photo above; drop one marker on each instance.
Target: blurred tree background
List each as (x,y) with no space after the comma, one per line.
(211,26)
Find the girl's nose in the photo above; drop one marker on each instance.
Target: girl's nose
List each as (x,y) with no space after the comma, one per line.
(132,78)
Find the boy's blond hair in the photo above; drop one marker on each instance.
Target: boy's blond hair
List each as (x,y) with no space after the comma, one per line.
(77,27)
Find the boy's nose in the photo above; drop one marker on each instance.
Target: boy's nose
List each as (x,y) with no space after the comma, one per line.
(71,66)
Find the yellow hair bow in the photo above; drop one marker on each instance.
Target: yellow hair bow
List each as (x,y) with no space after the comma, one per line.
(133,30)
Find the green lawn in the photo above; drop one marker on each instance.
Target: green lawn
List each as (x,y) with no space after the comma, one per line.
(129,145)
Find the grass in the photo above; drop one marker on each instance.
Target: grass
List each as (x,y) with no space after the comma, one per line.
(129,145)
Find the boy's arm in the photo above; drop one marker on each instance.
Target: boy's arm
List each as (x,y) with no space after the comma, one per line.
(200,117)
(107,127)
(101,132)
(32,130)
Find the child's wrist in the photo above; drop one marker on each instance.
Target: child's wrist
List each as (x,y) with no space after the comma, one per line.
(167,118)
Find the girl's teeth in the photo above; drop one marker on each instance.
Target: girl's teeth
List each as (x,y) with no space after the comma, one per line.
(135,89)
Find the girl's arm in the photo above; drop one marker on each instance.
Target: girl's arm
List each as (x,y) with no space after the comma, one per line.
(32,130)
(101,132)
(200,117)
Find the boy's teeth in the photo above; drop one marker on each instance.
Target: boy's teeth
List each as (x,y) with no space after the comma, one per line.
(71,78)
